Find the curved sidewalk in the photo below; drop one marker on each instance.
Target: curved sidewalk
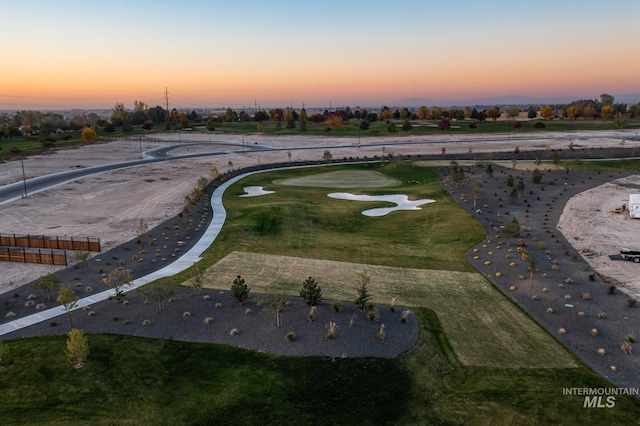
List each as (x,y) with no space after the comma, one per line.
(183,262)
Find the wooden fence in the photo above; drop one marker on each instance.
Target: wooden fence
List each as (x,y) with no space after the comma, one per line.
(54,243)
(27,255)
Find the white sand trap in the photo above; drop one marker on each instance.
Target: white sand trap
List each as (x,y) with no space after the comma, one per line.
(255,191)
(402,202)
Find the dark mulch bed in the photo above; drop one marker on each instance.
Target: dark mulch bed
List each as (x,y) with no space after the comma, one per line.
(211,319)
(539,209)
(257,330)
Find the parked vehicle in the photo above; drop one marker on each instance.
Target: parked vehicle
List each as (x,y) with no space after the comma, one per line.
(630,255)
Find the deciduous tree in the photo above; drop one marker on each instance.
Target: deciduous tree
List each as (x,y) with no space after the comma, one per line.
(546,112)
(48,283)
(89,135)
(512,229)
(118,279)
(68,300)
(77,347)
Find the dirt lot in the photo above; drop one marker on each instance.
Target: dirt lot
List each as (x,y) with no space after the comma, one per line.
(109,206)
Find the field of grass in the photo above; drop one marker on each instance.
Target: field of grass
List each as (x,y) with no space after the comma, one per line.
(516,378)
(481,325)
(304,222)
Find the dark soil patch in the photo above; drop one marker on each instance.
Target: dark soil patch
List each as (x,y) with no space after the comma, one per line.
(562,291)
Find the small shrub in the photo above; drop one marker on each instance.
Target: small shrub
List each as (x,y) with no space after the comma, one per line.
(569,280)
(206,297)
(336,306)
(381,332)
(146,322)
(53,323)
(91,313)
(372,314)
(581,314)
(41,306)
(88,289)
(289,336)
(352,321)
(549,310)
(392,304)
(631,303)
(562,330)
(207,320)
(186,314)
(612,289)
(601,351)
(601,315)
(218,305)
(247,311)
(234,331)
(405,316)
(626,348)
(567,297)
(512,288)
(312,313)
(331,326)
(29,303)
(586,296)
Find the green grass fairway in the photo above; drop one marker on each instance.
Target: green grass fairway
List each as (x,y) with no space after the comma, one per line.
(304,222)
(482,326)
(479,360)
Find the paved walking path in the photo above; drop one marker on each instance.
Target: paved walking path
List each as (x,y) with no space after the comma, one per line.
(185,261)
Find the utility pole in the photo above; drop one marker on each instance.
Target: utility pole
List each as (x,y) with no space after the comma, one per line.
(24,180)
(166,98)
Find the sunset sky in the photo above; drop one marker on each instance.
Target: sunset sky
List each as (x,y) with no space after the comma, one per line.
(92,54)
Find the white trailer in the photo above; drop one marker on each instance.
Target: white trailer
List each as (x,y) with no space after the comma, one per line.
(634,205)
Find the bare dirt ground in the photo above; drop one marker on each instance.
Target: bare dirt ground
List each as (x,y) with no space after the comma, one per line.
(589,222)
(110,206)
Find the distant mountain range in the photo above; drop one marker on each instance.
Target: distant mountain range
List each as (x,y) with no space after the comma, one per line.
(628,98)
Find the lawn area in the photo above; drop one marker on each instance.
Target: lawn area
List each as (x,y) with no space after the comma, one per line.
(479,359)
(481,325)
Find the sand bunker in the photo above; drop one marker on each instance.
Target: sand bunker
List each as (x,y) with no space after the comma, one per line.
(255,191)
(402,202)
(342,179)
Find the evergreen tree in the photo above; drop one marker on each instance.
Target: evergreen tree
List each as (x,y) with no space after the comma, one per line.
(239,290)
(362,293)
(311,293)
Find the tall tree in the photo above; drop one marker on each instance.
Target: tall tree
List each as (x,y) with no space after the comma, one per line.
(48,283)
(546,112)
(512,229)
(68,300)
(607,99)
(476,191)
